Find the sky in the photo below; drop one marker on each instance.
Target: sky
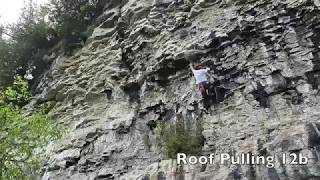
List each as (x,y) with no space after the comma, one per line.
(10,9)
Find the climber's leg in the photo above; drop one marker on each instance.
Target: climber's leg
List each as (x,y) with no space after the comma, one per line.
(207,88)
(203,86)
(203,90)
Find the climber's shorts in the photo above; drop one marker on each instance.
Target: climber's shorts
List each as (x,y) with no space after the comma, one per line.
(203,88)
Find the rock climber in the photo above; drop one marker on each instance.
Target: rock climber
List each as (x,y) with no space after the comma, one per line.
(201,76)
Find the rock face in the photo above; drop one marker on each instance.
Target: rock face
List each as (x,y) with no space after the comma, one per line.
(265,63)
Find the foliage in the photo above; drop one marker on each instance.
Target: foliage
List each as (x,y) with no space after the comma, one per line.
(178,139)
(18,94)
(26,46)
(71,20)
(39,29)
(72,17)
(7,65)
(22,138)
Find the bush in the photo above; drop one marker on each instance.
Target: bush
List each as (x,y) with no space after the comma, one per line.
(17,95)
(22,138)
(177,139)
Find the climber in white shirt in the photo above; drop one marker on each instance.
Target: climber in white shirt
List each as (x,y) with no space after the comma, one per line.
(201,76)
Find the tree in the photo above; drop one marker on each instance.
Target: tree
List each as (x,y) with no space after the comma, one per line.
(74,16)
(26,46)
(7,63)
(22,137)
(33,35)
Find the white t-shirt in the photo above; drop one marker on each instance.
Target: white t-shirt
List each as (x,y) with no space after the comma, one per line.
(201,75)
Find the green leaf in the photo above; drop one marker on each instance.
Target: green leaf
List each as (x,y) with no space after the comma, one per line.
(22,138)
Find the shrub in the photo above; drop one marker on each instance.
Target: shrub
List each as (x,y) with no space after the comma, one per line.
(17,95)
(177,139)
(23,138)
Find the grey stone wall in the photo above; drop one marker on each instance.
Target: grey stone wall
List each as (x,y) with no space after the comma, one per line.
(264,57)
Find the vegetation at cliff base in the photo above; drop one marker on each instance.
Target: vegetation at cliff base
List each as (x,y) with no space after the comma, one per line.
(178,139)
(23,135)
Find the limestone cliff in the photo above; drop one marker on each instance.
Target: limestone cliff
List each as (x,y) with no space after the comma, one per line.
(265,63)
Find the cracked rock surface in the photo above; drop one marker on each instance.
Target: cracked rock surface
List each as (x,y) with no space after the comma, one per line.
(265,63)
